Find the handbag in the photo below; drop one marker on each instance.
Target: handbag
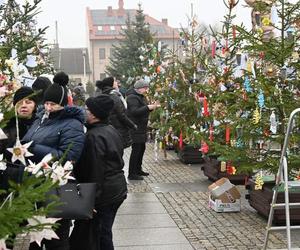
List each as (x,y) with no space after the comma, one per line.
(76,201)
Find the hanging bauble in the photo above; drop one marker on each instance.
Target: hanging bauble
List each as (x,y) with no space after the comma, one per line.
(204,147)
(223,166)
(31,61)
(142,58)
(145,70)
(151,62)
(259,182)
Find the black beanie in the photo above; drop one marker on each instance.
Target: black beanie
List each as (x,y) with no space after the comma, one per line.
(58,92)
(106,82)
(22,93)
(40,84)
(100,106)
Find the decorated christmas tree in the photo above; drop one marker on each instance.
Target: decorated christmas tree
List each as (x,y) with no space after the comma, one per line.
(268,92)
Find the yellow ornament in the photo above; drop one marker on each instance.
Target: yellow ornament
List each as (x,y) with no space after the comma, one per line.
(256,116)
(266,21)
(260,31)
(223,166)
(259,182)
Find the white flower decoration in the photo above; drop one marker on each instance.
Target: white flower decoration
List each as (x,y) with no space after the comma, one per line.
(62,173)
(20,151)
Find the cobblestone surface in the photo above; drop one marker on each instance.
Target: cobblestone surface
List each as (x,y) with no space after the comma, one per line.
(203,227)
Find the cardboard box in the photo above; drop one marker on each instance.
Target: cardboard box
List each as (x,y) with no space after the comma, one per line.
(224,190)
(224,196)
(220,207)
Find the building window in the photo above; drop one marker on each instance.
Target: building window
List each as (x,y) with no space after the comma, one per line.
(112,52)
(100,28)
(112,28)
(101,53)
(102,76)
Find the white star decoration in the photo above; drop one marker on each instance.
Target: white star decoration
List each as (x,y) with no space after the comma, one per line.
(46,233)
(20,151)
(2,245)
(2,165)
(41,168)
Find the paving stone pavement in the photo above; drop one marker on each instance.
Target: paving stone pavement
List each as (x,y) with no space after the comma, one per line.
(182,190)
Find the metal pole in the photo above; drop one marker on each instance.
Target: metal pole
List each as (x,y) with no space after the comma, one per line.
(84,67)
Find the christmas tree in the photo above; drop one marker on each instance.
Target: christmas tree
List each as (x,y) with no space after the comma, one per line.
(125,64)
(268,92)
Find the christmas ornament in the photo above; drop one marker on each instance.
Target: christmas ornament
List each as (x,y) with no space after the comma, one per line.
(223,166)
(45,233)
(159,46)
(3,136)
(205,107)
(266,21)
(2,164)
(2,241)
(231,170)
(227,134)
(259,182)
(261,99)
(180,140)
(19,152)
(31,61)
(273,123)
(204,147)
(247,85)
(256,116)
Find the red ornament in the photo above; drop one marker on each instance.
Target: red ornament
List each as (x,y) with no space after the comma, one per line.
(180,140)
(204,147)
(205,107)
(227,134)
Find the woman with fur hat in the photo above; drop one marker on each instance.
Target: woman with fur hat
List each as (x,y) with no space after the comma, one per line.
(101,162)
(118,117)
(59,131)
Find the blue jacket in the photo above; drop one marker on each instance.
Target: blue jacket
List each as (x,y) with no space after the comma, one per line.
(55,134)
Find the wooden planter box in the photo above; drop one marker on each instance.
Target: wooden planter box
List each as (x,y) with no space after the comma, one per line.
(261,199)
(190,154)
(212,169)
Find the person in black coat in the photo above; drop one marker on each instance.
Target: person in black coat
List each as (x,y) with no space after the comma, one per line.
(117,117)
(24,101)
(101,162)
(138,112)
(58,130)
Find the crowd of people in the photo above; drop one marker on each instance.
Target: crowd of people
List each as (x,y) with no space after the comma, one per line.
(92,133)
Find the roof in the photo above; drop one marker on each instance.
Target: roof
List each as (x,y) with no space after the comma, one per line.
(71,60)
(107,24)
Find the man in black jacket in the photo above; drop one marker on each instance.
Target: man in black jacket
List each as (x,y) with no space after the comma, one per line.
(138,112)
(101,162)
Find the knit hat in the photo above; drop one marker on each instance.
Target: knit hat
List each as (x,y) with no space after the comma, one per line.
(100,106)
(40,84)
(58,92)
(141,84)
(106,82)
(22,93)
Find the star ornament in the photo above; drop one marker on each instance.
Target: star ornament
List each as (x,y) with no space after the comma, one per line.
(2,165)
(3,245)
(42,168)
(45,233)
(20,151)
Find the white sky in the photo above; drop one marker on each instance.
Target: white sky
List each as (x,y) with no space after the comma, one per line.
(70,15)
